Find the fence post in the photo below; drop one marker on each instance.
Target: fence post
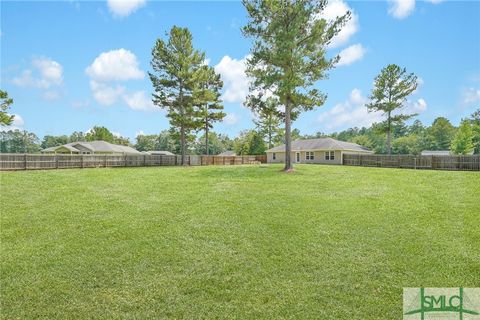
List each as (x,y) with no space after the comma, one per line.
(144,160)
(161,160)
(56,161)
(125,160)
(81,161)
(105,161)
(25,160)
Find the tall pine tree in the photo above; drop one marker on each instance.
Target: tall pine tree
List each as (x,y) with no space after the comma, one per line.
(289,54)
(207,100)
(176,65)
(390,91)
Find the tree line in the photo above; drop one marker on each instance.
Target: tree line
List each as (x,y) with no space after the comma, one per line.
(287,60)
(248,142)
(406,139)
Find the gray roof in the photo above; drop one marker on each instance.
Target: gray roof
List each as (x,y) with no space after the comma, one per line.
(439,153)
(66,146)
(228,153)
(95,146)
(160,152)
(321,144)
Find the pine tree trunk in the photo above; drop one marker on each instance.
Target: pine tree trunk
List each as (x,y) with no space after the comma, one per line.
(206,140)
(183,147)
(389,147)
(288,137)
(270,130)
(389,135)
(270,139)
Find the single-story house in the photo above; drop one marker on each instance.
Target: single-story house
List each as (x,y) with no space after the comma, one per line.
(159,153)
(439,153)
(322,150)
(91,147)
(228,153)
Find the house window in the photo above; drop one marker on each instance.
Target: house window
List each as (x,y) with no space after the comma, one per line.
(310,155)
(274,156)
(329,155)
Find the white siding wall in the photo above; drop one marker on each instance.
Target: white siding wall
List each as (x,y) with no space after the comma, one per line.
(319,157)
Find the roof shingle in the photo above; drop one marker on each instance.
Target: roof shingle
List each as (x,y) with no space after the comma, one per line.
(321,144)
(95,146)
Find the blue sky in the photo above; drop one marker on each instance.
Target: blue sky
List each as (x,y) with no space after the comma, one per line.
(70,65)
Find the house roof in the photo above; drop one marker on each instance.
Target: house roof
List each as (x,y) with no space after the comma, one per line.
(321,144)
(439,153)
(228,153)
(66,146)
(94,146)
(160,152)
(435,153)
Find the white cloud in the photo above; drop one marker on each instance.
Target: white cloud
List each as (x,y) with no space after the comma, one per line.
(338,8)
(401,8)
(234,79)
(471,96)
(354,113)
(51,71)
(139,101)
(105,94)
(17,124)
(351,54)
(46,73)
(418,106)
(112,67)
(25,79)
(139,133)
(231,119)
(123,8)
(115,65)
(350,113)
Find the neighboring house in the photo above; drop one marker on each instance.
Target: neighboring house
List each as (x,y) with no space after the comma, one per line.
(322,150)
(159,153)
(91,147)
(228,153)
(440,153)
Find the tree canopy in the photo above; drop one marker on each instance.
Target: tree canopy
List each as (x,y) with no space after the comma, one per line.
(5,118)
(462,143)
(390,91)
(289,54)
(175,76)
(207,100)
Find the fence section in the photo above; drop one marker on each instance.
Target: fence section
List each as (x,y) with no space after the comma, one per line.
(464,163)
(64,161)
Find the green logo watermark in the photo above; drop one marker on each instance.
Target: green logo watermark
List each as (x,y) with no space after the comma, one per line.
(441,303)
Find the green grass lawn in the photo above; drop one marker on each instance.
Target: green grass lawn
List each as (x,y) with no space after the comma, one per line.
(243,242)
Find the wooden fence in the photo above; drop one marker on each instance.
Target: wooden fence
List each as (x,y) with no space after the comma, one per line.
(464,163)
(16,161)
